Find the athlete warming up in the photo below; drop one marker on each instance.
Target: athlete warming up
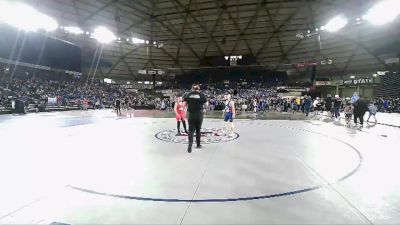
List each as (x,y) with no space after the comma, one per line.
(229,115)
(180,112)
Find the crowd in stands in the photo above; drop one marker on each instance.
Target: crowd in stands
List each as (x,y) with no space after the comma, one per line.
(96,94)
(71,92)
(216,99)
(387,104)
(294,104)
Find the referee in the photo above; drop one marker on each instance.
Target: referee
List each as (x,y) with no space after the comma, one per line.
(194,101)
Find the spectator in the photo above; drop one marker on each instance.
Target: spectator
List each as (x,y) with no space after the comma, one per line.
(336,106)
(372,109)
(307,104)
(328,105)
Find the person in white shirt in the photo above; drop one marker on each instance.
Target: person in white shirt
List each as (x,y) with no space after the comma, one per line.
(315,105)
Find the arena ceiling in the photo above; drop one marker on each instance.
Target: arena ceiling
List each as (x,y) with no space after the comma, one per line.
(193,29)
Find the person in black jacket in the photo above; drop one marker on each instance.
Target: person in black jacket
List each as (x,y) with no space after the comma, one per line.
(328,105)
(337,103)
(195,101)
(360,107)
(118,106)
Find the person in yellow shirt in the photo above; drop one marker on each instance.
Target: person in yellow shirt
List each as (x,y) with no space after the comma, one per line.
(298,103)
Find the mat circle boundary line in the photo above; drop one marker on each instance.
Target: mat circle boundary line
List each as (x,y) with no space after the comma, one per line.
(250,198)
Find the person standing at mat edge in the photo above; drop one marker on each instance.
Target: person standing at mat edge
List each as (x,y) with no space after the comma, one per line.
(195,101)
(118,106)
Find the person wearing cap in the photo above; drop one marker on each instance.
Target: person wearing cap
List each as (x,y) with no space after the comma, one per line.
(194,101)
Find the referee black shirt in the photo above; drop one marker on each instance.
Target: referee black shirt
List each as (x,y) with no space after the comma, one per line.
(195,101)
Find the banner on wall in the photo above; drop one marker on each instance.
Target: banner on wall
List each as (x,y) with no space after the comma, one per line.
(329,83)
(51,101)
(126,86)
(361,81)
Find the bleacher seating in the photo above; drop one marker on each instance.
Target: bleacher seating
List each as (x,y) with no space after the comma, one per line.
(390,86)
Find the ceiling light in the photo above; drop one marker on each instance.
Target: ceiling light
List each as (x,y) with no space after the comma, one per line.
(383,12)
(103,35)
(32,20)
(87,32)
(322,28)
(308,31)
(46,23)
(374,75)
(336,23)
(316,29)
(74,30)
(352,77)
(138,40)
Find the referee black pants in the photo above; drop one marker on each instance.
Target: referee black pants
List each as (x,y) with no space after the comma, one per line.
(360,116)
(195,122)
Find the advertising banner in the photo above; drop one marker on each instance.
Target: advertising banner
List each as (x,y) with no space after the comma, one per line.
(329,83)
(361,81)
(51,101)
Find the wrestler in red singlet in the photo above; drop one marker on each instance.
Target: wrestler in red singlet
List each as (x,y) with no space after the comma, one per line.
(180,112)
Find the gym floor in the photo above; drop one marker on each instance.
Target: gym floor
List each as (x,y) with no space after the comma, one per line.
(98,168)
